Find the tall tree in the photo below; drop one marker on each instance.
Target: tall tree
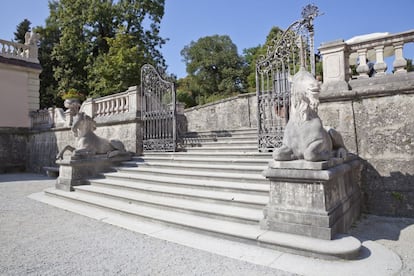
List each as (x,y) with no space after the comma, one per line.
(214,66)
(21,30)
(88,30)
(253,54)
(49,37)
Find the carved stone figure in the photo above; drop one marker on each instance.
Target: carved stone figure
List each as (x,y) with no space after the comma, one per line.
(31,38)
(304,136)
(88,143)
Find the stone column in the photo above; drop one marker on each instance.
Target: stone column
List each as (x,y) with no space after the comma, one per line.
(399,62)
(380,66)
(363,68)
(335,65)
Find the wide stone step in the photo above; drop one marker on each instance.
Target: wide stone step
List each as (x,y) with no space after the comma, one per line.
(198,160)
(192,174)
(219,196)
(229,148)
(225,144)
(200,208)
(205,184)
(209,154)
(209,167)
(223,133)
(342,247)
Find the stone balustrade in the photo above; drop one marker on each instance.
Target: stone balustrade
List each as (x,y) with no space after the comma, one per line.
(110,105)
(41,119)
(26,52)
(117,105)
(366,52)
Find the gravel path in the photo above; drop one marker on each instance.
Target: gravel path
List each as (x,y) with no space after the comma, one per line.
(37,239)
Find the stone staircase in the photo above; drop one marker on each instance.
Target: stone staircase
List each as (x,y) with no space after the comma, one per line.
(213,187)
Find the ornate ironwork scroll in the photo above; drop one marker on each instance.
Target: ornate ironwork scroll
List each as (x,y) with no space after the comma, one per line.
(274,71)
(158,111)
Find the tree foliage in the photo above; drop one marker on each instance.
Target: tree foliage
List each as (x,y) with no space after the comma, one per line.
(21,31)
(98,46)
(214,68)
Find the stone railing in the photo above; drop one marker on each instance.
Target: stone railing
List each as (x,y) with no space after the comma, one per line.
(367,53)
(26,52)
(124,104)
(42,119)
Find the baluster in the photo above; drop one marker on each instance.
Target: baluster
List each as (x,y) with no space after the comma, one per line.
(111,106)
(363,67)
(399,62)
(380,66)
(106,111)
(97,109)
(126,106)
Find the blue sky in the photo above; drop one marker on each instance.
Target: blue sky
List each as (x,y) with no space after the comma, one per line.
(247,22)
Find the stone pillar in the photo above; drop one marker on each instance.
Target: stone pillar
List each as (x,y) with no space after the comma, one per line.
(335,65)
(399,62)
(380,66)
(313,199)
(363,68)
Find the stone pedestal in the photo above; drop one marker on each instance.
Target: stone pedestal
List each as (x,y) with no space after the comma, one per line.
(75,171)
(314,199)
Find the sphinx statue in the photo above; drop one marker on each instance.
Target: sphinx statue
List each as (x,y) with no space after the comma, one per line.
(88,143)
(304,136)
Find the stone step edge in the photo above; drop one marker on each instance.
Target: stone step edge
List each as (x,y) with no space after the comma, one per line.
(193,183)
(216,154)
(220,210)
(243,169)
(343,247)
(198,174)
(184,158)
(221,196)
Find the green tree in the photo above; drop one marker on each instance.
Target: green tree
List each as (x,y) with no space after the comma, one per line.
(117,69)
(214,67)
(253,54)
(49,37)
(88,30)
(21,31)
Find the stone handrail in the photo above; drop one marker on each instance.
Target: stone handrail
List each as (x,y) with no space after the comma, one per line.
(41,119)
(19,51)
(127,102)
(367,50)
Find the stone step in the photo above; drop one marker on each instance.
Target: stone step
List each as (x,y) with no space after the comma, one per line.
(199,160)
(191,206)
(223,133)
(231,197)
(228,148)
(203,184)
(225,144)
(209,154)
(343,247)
(194,174)
(205,167)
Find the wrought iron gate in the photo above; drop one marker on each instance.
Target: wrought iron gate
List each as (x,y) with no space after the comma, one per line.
(287,54)
(158,111)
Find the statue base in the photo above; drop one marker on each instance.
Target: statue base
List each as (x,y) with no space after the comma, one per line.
(313,199)
(76,171)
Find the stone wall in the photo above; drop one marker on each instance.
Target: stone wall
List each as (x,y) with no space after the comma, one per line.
(43,146)
(232,113)
(13,145)
(376,119)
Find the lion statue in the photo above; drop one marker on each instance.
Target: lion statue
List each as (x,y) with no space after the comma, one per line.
(304,136)
(88,143)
